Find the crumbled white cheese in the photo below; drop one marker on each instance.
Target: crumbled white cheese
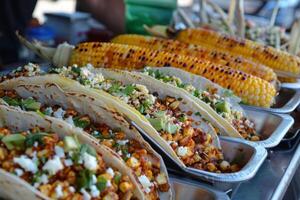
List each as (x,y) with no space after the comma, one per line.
(26,163)
(145,182)
(53,166)
(68,162)
(69,120)
(19,172)
(35,144)
(108,183)
(122,142)
(94,191)
(36,185)
(86,195)
(182,151)
(58,191)
(44,179)
(94,179)
(49,110)
(120,152)
(60,152)
(90,162)
(72,189)
(110,171)
(59,113)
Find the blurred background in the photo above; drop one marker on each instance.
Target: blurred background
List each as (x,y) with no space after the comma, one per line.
(55,21)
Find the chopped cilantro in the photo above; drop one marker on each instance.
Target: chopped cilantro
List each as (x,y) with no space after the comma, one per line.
(84,179)
(128,90)
(81,123)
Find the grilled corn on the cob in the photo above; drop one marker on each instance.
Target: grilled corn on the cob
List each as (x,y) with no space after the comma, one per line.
(284,64)
(251,89)
(214,56)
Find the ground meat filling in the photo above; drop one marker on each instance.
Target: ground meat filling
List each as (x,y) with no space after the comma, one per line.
(61,168)
(144,164)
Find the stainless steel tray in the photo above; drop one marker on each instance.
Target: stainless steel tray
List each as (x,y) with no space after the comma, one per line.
(272,127)
(188,189)
(274,177)
(295,85)
(287,101)
(247,154)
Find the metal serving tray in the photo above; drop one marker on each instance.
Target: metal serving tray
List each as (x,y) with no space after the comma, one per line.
(247,154)
(287,101)
(295,85)
(272,127)
(188,189)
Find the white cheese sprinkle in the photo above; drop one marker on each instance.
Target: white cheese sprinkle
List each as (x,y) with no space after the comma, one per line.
(58,191)
(72,189)
(68,162)
(26,163)
(122,142)
(59,113)
(90,162)
(44,179)
(94,179)
(182,151)
(53,166)
(19,172)
(59,151)
(49,110)
(69,120)
(111,172)
(94,191)
(86,195)
(145,183)
(36,144)
(108,183)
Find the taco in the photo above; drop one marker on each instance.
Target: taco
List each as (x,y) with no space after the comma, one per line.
(165,113)
(220,102)
(44,158)
(100,122)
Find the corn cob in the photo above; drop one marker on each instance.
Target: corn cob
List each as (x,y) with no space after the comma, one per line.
(284,64)
(214,56)
(251,89)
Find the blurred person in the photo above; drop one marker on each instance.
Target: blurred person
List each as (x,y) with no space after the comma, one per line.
(14,15)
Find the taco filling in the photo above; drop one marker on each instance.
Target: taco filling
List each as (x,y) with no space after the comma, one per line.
(240,122)
(61,168)
(145,165)
(192,145)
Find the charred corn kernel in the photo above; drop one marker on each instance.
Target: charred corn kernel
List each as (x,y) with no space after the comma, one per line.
(125,186)
(211,167)
(161,179)
(188,131)
(106,176)
(252,90)
(287,80)
(255,138)
(45,189)
(208,139)
(214,56)
(133,162)
(268,56)
(149,174)
(3,153)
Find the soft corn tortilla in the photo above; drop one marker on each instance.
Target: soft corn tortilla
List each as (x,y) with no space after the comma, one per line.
(202,83)
(113,103)
(12,187)
(96,109)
